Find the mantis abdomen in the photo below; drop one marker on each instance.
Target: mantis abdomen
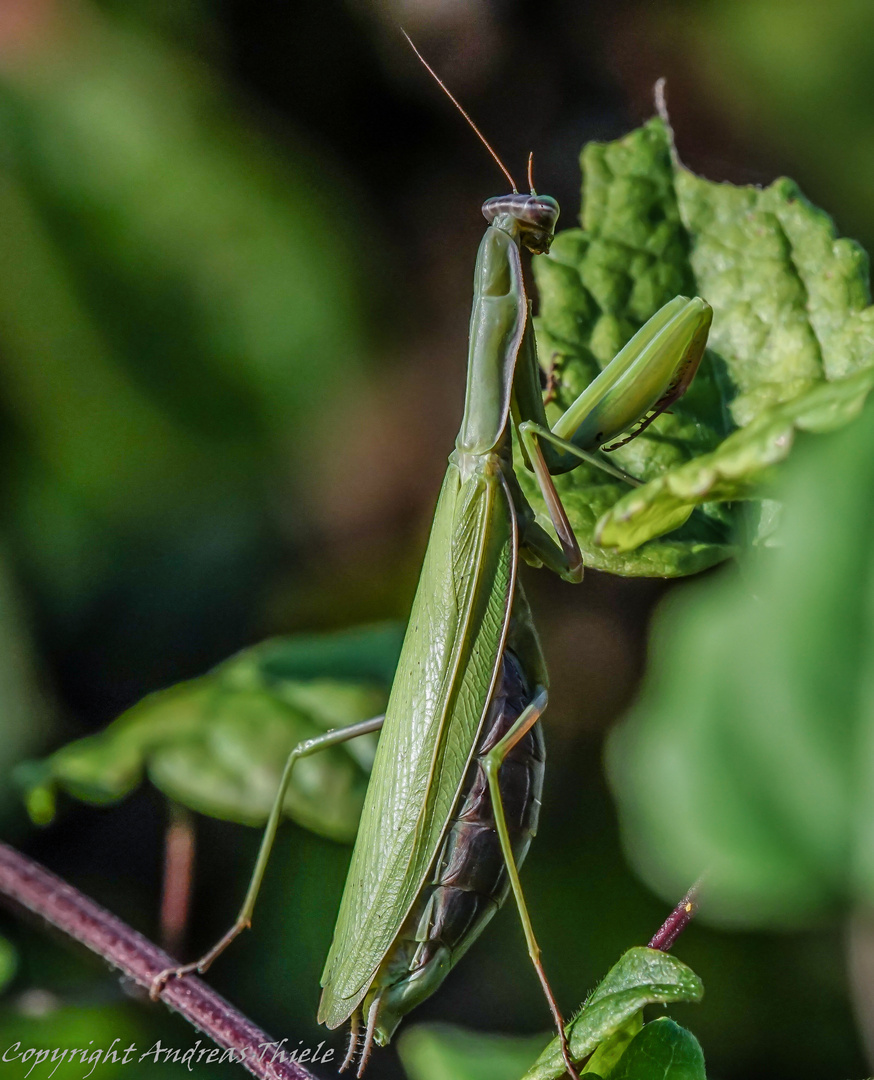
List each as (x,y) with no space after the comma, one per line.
(468,881)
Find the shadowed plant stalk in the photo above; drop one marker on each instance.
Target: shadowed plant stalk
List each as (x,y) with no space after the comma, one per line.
(28,885)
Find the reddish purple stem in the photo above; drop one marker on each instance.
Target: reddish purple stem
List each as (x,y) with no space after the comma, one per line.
(32,886)
(674,925)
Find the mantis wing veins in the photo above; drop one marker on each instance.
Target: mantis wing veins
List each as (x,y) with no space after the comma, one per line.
(384,878)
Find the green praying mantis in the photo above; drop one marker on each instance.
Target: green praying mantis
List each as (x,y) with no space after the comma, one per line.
(454,795)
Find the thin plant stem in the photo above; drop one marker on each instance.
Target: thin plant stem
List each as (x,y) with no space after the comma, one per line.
(179,844)
(674,925)
(28,885)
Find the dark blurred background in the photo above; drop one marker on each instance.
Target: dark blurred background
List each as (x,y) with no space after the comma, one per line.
(235,264)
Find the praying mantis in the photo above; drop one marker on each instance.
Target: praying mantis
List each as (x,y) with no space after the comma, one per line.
(454,795)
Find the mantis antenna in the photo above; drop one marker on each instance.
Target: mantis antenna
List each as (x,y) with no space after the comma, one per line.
(531,172)
(463,112)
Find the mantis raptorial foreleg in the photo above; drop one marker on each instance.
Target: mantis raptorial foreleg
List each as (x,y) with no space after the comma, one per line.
(531,433)
(244,919)
(648,374)
(564,559)
(652,371)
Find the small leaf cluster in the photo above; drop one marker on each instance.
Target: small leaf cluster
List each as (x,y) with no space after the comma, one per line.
(608,1037)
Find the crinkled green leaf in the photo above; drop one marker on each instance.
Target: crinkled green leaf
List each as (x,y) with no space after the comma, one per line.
(738,469)
(748,753)
(790,314)
(444,1052)
(662,1051)
(641,977)
(218,744)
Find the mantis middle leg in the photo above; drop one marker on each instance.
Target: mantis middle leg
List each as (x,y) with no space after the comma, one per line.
(244,919)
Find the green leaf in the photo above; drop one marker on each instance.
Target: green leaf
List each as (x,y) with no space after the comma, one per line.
(181,225)
(604,1059)
(791,317)
(444,1052)
(748,752)
(367,653)
(218,744)
(662,1051)
(738,469)
(641,977)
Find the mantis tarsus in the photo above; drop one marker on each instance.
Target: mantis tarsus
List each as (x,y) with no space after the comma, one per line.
(454,795)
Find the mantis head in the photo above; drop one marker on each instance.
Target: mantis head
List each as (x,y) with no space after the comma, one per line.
(529,219)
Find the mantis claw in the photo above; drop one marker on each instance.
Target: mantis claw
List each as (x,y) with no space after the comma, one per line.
(353,1043)
(163,977)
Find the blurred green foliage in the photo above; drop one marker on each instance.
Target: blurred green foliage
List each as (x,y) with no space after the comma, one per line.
(191,294)
(173,304)
(111,1041)
(747,753)
(218,744)
(26,708)
(795,82)
(443,1052)
(8,963)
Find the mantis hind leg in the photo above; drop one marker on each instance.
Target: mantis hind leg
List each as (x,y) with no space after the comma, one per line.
(244,919)
(492,765)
